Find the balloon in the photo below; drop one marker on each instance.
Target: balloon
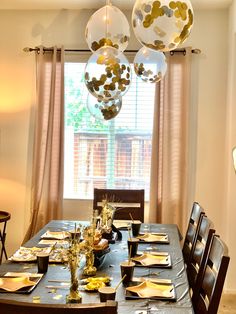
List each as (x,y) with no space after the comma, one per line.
(107,26)
(103,110)
(107,74)
(150,65)
(162,25)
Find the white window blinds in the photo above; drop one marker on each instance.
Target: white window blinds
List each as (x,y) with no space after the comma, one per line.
(106,154)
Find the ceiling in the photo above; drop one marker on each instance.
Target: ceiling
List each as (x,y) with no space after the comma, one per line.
(95,4)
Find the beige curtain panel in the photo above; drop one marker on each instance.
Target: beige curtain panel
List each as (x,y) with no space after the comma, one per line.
(47,177)
(169,166)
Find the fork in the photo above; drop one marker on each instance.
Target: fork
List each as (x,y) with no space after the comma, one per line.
(180,272)
(183,295)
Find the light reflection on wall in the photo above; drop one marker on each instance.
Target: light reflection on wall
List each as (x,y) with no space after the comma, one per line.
(10,190)
(12,101)
(17,82)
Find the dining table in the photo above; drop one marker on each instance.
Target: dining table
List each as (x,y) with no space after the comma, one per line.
(54,285)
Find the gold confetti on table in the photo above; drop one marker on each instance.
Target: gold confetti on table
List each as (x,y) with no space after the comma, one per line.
(36,299)
(57,297)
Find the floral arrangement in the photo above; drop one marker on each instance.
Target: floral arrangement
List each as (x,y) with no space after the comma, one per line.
(92,241)
(87,247)
(106,217)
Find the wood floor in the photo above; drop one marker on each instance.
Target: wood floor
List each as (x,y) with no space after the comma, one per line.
(228,304)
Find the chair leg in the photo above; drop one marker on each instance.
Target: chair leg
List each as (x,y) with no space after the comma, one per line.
(3,238)
(2,248)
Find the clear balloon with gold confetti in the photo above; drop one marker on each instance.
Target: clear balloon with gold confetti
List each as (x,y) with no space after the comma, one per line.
(150,65)
(103,110)
(107,74)
(162,24)
(107,26)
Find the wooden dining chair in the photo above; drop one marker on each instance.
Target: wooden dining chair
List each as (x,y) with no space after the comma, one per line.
(126,202)
(200,249)
(192,229)
(208,289)
(16,307)
(4,217)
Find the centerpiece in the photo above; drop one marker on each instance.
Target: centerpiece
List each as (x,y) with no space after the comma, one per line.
(73,255)
(88,235)
(106,221)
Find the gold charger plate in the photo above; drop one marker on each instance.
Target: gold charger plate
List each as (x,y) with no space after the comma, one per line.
(12,284)
(123,224)
(53,242)
(27,254)
(149,289)
(57,235)
(154,238)
(155,260)
(24,254)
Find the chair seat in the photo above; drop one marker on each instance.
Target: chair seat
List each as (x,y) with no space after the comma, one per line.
(4,216)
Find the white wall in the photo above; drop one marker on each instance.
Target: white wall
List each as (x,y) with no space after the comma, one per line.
(230,177)
(19,29)
(211,110)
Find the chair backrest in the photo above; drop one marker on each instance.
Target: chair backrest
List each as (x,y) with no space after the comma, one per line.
(16,307)
(125,201)
(192,230)
(208,289)
(200,249)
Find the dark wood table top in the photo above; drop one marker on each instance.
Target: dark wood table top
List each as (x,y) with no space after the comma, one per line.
(110,267)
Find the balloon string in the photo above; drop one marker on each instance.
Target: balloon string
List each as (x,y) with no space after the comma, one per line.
(108,3)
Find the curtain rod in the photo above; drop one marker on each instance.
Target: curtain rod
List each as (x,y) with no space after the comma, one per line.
(28,49)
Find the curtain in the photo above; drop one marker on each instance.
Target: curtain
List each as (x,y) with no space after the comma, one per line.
(169,164)
(47,173)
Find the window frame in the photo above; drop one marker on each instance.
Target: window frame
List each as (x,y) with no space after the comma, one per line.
(82,57)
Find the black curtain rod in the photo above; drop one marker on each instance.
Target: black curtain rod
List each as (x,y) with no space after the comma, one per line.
(28,49)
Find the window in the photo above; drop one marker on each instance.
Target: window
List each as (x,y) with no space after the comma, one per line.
(106,154)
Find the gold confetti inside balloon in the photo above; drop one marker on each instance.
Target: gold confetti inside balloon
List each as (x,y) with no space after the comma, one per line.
(150,65)
(107,26)
(107,74)
(102,110)
(162,24)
